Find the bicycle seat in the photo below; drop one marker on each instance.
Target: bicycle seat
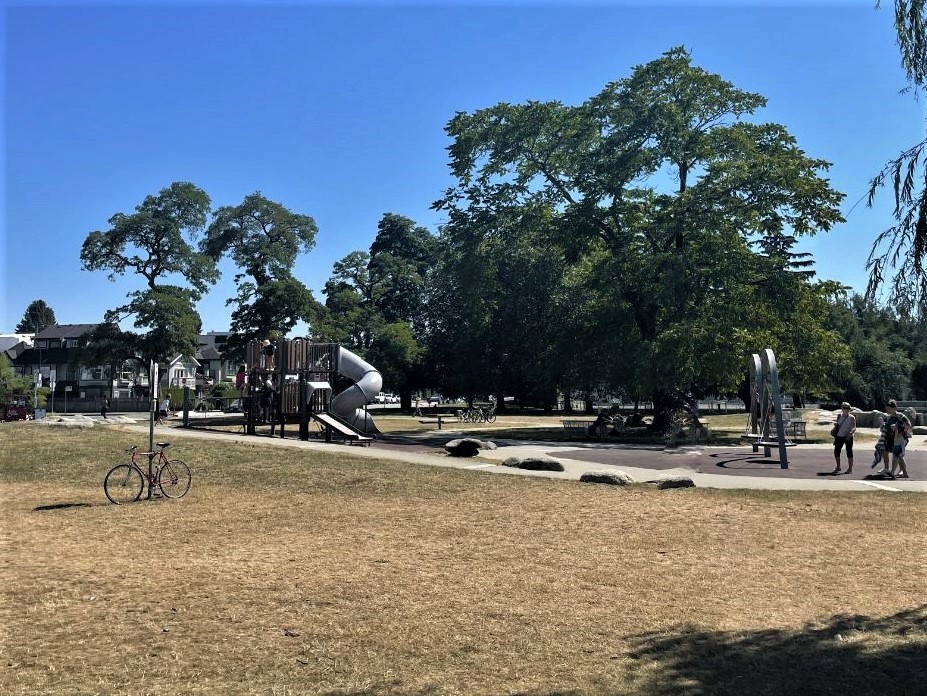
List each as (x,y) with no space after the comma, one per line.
(163,444)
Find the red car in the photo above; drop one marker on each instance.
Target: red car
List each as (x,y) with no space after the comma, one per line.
(16,410)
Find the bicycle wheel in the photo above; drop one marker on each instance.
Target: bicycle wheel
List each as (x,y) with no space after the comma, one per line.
(174,479)
(123,484)
(490,416)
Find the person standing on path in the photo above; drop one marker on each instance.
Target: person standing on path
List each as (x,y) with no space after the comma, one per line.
(898,424)
(104,406)
(846,428)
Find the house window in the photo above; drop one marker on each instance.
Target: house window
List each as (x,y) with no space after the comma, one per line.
(72,343)
(43,344)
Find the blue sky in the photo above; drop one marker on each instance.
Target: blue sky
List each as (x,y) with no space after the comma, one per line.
(337,111)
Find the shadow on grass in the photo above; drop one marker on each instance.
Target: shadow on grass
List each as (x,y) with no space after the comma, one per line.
(849,654)
(60,506)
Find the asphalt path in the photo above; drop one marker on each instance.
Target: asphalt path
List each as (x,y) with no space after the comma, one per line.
(809,466)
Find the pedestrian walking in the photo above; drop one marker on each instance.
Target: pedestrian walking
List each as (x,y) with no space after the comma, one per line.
(843,436)
(900,426)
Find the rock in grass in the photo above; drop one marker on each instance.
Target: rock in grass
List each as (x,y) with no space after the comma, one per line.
(613,478)
(534,463)
(467,447)
(675,482)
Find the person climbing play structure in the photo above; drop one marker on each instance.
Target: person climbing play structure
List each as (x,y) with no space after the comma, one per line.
(296,385)
(766,408)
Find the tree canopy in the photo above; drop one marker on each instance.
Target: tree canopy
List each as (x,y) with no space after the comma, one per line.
(153,242)
(648,197)
(264,239)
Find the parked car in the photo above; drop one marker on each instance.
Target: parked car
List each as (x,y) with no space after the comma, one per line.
(435,399)
(234,407)
(16,410)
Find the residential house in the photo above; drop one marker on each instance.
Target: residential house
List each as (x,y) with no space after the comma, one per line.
(214,367)
(180,372)
(14,344)
(51,357)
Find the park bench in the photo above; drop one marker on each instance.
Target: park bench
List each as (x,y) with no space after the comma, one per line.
(438,418)
(577,427)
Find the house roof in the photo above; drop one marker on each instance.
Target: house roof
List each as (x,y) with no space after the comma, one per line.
(210,345)
(49,356)
(208,353)
(183,359)
(65,331)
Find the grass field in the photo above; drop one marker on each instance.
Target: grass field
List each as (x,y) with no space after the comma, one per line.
(293,571)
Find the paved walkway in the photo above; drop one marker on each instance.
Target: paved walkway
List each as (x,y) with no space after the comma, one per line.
(709,467)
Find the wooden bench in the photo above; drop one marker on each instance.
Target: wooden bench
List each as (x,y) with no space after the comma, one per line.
(439,418)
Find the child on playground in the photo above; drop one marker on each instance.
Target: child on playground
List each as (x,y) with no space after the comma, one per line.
(241,380)
(268,349)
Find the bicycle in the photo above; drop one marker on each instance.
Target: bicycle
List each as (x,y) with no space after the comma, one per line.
(125,483)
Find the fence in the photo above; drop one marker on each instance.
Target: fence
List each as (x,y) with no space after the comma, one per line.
(60,404)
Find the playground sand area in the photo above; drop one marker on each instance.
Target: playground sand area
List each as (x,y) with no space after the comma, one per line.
(293,571)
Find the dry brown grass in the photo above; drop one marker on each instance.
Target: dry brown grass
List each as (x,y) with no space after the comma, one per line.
(292,571)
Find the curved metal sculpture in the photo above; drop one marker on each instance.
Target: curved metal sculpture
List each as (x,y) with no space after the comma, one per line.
(766,406)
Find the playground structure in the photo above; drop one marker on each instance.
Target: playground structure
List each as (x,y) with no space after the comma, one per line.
(766,408)
(293,381)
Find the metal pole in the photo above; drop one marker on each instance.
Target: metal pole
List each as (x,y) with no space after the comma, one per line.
(153,393)
(35,395)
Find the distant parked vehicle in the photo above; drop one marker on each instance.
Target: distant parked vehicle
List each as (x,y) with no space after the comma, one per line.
(16,410)
(234,407)
(435,399)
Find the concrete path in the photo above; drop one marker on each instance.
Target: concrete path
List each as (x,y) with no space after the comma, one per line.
(708,467)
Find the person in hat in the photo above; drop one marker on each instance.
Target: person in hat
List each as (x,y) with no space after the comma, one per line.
(845,429)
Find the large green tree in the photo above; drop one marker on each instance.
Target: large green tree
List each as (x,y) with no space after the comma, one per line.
(37,317)
(154,242)
(664,178)
(264,239)
(882,349)
(376,302)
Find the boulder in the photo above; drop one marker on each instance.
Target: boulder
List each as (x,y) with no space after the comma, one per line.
(467,447)
(613,478)
(675,482)
(534,463)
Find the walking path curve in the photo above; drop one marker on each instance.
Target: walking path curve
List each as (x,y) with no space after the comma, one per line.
(708,467)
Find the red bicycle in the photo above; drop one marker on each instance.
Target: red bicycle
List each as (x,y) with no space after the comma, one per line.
(125,483)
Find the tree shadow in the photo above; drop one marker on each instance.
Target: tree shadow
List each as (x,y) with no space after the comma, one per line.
(848,654)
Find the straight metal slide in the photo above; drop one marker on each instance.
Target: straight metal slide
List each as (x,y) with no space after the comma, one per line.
(346,430)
